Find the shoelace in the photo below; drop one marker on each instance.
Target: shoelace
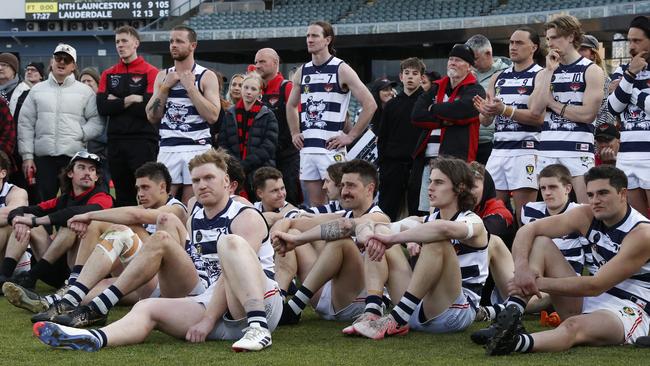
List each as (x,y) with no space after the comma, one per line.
(255,332)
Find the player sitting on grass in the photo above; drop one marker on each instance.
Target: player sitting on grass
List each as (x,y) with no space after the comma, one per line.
(242,299)
(447,280)
(613,301)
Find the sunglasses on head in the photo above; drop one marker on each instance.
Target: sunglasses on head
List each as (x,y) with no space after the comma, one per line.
(63,57)
(86,155)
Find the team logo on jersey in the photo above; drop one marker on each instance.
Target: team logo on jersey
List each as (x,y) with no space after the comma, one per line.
(176,114)
(530,169)
(115,80)
(198,237)
(522,90)
(338,158)
(314,113)
(501,82)
(628,311)
(575,86)
(328,87)
(273,100)
(136,78)
(307,79)
(305,89)
(497,90)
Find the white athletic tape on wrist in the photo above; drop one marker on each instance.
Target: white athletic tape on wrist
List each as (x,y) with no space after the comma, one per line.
(407,223)
(470,230)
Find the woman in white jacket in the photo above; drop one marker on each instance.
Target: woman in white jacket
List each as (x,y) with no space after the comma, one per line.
(57,119)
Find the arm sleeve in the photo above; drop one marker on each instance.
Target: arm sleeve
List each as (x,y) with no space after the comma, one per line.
(98,202)
(461,110)
(105,106)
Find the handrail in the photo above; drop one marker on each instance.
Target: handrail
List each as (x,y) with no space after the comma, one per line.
(638,7)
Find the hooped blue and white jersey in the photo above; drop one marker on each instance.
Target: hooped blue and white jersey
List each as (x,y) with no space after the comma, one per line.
(205,235)
(182,125)
(474,262)
(606,243)
(6,187)
(630,100)
(324,104)
(151,228)
(560,137)
(331,207)
(572,246)
(514,88)
(259,207)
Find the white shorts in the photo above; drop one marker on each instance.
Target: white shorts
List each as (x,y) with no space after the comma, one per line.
(177,162)
(314,166)
(459,316)
(513,172)
(637,171)
(577,166)
(325,308)
(635,321)
(228,328)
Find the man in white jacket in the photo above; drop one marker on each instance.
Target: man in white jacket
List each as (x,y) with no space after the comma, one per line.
(57,119)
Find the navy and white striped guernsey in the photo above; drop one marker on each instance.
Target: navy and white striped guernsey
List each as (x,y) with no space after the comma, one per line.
(605,245)
(514,88)
(560,137)
(572,246)
(324,104)
(151,228)
(205,234)
(6,187)
(258,206)
(629,100)
(182,125)
(474,262)
(331,207)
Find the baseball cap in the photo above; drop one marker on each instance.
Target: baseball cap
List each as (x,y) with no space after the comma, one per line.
(607,132)
(66,48)
(589,41)
(85,155)
(381,84)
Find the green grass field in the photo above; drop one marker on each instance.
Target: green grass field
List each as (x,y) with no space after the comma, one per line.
(313,341)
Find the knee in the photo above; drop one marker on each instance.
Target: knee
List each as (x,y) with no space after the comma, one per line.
(571,327)
(158,242)
(437,249)
(230,243)
(166,221)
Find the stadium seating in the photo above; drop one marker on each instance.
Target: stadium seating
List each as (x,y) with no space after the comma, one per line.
(291,13)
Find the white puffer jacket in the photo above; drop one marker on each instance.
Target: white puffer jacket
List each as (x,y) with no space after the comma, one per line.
(58,119)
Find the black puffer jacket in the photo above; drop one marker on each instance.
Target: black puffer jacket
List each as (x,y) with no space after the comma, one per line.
(261,144)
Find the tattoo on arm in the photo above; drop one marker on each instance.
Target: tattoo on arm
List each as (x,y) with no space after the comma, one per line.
(155,106)
(337,229)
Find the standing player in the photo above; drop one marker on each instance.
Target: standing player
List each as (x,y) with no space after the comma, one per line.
(322,89)
(186,102)
(123,93)
(613,300)
(275,94)
(512,161)
(242,299)
(629,100)
(570,90)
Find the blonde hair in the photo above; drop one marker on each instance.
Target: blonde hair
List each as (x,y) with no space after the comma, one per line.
(212,156)
(254,76)
(566,25)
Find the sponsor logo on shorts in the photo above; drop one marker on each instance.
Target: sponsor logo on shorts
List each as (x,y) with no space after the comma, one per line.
(628,311)
(530,169)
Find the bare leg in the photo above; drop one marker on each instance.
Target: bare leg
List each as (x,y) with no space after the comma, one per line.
(38,238)
(63,241)
(580,188)
(286,268)
(596,329)
(436,278)
(547,260)
(243,275)
(341,263)
(172,316)
(502,266)
(638,199)
(521,197)
(5,233)
(317,196)
(399,272)
(90,240)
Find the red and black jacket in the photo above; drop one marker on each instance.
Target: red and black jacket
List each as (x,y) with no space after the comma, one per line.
(122,80)
(62,208)
(457,117)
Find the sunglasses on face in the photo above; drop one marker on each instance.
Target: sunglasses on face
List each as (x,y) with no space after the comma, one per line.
(65,58)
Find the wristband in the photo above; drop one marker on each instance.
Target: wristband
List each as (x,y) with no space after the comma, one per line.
(503,112)
(512,113)
(34,221)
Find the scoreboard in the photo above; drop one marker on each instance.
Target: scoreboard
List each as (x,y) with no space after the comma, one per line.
(95,10)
